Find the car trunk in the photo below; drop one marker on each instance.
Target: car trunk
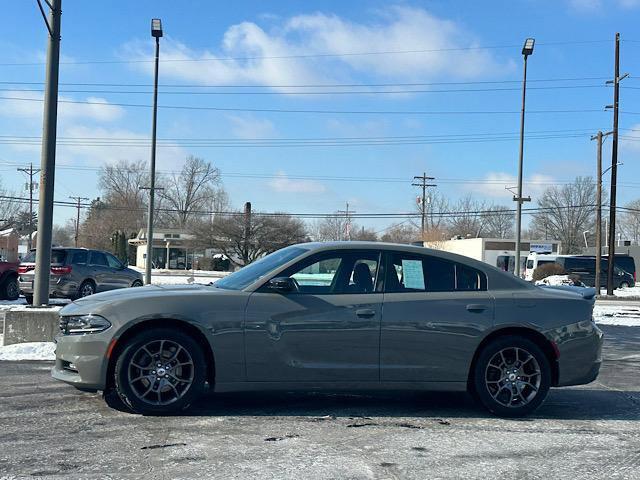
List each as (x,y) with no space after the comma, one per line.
(27,267)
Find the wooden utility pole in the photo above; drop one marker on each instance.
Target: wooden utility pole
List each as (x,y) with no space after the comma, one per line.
(614,168)
(423,200)
(347,221)
(599,137)
(247,230)
(32,186)
(78,200)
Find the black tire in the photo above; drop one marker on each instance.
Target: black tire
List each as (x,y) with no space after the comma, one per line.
(492,383)
(623,285)
(10,289)
(129,390)
(29,299)
(86,288)
(136,283)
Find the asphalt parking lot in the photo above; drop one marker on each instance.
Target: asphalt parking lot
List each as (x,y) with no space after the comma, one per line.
(48,429)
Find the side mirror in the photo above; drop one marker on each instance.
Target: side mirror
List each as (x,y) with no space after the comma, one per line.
(282,284)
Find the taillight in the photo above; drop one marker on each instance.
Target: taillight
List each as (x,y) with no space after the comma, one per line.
(61,270)
(24,268)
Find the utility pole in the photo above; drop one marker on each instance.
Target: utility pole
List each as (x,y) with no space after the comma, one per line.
(599,137)
(77,199)
(156,32)
(48,156)
(247,230)
(423,184)
(527,50)
(347,225)
(614,168)
(30,172)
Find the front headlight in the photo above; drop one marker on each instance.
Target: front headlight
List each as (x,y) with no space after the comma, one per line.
(80,324)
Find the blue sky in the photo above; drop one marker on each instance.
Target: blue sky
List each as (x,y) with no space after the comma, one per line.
(207,46)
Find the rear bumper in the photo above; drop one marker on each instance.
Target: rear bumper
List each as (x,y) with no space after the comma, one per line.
(580,358)
(58,287)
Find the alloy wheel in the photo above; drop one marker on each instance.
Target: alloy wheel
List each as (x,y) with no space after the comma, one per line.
(513,377)
(86,290)
(161,372)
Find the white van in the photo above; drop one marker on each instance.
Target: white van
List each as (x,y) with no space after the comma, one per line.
(534,260)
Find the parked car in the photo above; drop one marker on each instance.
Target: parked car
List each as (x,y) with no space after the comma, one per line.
(343,315)
(9,289)
(78,272)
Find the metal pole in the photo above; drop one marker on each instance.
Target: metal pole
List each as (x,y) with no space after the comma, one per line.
(599,213)
(247,230)
(614,170)
(519,199)
(29,240)
(152,189)
(48,160)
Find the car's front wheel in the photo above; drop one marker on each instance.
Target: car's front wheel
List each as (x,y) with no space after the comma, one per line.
(160,371)
(512,376)
(10,290)
(136,283)
(86,288)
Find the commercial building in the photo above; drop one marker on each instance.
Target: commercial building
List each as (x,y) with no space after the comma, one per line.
(499,252)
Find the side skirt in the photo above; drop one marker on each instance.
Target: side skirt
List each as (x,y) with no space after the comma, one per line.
(338,386)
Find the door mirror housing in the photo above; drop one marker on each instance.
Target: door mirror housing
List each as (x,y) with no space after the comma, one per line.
(282,284)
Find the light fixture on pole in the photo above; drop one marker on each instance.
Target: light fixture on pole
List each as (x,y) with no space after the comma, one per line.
(156,32)
(527,50)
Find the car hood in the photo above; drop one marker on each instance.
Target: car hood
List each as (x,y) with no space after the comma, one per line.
(137,293)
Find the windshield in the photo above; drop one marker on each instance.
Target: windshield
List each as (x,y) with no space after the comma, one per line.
(256,270)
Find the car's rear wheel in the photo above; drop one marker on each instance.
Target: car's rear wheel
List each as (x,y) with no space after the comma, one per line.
(160,371)
(10,289)
(86,288)
(512,376)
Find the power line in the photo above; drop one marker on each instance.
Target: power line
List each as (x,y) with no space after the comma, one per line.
(314,93)
(308,55)
(312,85)
(332,112)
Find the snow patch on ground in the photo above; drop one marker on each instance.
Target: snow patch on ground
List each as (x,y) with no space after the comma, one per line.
(624,292)
(622,315)
(28,351)
(556,280)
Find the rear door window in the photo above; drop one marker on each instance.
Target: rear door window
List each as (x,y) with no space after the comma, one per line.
(80,257)
(99,258)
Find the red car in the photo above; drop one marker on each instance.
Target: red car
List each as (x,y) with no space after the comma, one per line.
(9,288)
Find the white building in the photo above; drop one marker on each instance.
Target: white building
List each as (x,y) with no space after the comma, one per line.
(499,252)
(171,248)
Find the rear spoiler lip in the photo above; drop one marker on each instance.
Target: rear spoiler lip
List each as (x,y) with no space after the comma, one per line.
(588,293)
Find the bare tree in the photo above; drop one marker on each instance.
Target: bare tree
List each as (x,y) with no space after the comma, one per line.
(266,234)
(11,209)
(329,229)
(63,235)
(566,212)
(499,220)
(630,221)
(467,218)
(363,234)
(191,190)
(401,233)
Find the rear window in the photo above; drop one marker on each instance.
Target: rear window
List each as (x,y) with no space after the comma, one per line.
(625,263)
(57,256)
(80,256)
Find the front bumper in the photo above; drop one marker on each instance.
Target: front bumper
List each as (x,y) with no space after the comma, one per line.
(580,348)
(81,360)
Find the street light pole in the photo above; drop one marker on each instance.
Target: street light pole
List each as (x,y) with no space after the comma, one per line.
(48,157)
(527,50)
(156,32)
(599,137)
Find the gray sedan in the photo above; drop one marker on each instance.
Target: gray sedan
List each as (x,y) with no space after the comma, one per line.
(334,316)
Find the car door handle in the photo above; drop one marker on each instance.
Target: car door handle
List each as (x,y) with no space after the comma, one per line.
(365,313)
(476,307)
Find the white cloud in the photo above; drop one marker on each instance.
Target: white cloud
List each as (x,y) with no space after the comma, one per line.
(32,107)
(284,184)
(493,185)
(169,156)
(397,28)
(248,127)
(589,6)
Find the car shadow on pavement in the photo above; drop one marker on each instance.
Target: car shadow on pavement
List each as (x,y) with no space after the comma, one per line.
(562,404)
